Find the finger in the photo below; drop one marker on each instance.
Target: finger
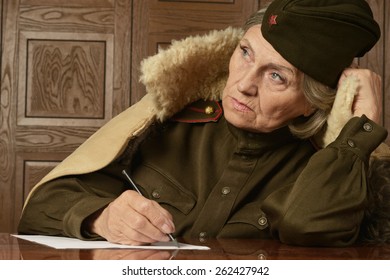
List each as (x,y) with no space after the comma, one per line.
(368,100)
(137,201)
(354,65)
(157,215)
(137,227)
(132,219)
(378,83)
(120,223)
(122,232)
(130,236)
(346,73)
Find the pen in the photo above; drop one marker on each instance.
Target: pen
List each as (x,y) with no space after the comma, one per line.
(139,192)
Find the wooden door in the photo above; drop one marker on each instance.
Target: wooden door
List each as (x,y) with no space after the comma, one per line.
(67,67)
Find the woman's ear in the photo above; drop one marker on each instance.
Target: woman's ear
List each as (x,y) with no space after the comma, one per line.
(309,109)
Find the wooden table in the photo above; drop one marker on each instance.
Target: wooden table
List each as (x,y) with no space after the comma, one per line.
(12,248)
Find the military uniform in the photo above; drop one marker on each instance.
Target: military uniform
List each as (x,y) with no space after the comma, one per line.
(219,181)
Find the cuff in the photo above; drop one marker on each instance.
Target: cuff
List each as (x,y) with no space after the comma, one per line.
(73,220)
(361,136)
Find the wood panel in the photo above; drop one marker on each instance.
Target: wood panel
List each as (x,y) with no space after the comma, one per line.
(67,78)
(64,79)
(122,58)
(7,114)
(374,59)
(71,3)
(386,66)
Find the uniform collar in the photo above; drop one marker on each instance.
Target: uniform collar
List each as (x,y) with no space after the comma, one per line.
(249,143)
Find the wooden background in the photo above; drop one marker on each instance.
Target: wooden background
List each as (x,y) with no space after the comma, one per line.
(67,67)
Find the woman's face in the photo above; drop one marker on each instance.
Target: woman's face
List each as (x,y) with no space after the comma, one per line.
(263,91)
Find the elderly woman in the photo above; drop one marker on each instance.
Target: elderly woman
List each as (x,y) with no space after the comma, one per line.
(240,160)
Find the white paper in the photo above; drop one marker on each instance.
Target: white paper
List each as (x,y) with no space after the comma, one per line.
(74,243)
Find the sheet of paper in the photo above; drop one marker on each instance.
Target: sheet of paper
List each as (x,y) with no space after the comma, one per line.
(73,243)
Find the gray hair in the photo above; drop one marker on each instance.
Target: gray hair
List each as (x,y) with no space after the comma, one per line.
(320,96)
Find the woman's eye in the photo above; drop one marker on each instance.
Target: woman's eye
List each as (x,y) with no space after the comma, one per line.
(244,51)
(277,77)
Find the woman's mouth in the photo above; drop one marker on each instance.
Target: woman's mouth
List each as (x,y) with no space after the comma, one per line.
(240,106)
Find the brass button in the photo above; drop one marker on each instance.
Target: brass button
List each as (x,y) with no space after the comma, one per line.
(262,221)
(156,194)
(262,255)
(351,143)
(225,190)
(203,237)
(209,110)
(367,127)
(244,157)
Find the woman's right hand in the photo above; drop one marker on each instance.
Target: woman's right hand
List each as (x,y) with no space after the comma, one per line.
(368,100)
(132,219)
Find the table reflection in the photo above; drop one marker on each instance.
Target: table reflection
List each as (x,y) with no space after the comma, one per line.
(222,249)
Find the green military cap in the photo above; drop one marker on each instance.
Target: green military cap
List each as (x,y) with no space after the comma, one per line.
(320,37)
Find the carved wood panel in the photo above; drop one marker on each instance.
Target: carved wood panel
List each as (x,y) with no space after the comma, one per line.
(64,79)
(67,78)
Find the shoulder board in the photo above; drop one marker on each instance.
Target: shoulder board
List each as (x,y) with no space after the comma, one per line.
(200,111)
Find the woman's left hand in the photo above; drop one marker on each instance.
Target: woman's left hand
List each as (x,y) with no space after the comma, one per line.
(368,99)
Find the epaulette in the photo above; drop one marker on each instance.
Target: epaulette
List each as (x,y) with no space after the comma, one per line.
(200,111)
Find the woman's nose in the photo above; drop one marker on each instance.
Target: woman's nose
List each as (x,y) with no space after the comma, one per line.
(248,84)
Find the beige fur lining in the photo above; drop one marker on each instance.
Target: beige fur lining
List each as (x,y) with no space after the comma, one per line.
(191,69)
(341,111)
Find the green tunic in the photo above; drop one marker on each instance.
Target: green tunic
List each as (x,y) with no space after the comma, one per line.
(219,181)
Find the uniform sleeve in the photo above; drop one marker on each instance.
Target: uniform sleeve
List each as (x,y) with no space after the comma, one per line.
(59,207)
(325,206)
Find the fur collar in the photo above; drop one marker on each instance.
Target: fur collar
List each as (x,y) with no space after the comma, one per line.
(191,69)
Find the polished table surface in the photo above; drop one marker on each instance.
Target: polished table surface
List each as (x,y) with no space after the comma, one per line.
(12,248)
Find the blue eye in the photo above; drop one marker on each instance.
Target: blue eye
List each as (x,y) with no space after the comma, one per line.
(244,51)
(277,77)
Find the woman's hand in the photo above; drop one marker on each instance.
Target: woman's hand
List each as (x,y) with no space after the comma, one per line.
(368,99)
(133,220)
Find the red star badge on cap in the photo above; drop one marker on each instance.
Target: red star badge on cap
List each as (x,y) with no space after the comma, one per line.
(272,20)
